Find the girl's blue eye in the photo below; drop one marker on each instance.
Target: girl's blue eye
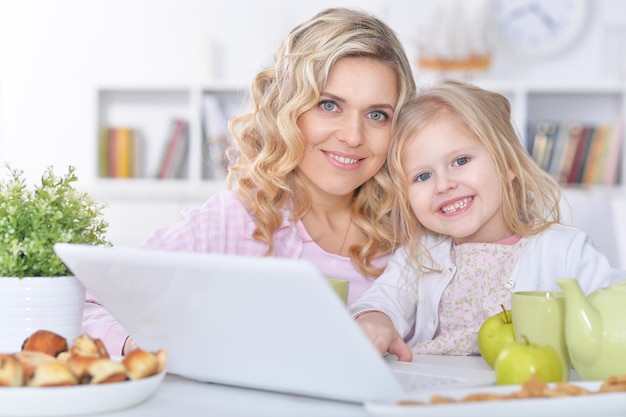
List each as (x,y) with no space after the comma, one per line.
(461,161)
(378,115)
(423,176)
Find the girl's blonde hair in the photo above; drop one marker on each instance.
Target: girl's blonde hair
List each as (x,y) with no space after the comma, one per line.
(268,145)
(530,200)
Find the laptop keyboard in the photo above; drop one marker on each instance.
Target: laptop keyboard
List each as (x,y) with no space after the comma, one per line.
(421,376)
(413,382)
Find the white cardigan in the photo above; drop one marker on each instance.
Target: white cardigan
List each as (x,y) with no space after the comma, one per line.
(412,303)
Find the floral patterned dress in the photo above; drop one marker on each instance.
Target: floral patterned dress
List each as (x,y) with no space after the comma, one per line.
(476,292)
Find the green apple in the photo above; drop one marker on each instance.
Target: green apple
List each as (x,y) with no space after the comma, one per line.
(494,334)
(517,361)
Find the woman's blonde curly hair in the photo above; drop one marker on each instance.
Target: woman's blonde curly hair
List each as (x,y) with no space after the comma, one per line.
(268,146)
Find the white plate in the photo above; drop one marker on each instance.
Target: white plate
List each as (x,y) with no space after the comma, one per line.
(78,399)
(606,404)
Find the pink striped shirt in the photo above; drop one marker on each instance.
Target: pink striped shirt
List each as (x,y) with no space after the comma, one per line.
(223,225)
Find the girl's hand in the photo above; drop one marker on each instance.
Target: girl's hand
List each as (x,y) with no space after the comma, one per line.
(379,328)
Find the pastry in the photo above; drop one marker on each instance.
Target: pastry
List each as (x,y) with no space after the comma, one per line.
(11,372)
(29,360)
(51,374)
(142,364)
(84,345)
(45,341)
(96,370)
(46,361)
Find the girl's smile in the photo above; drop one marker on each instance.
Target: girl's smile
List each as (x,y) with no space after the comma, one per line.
(457,206)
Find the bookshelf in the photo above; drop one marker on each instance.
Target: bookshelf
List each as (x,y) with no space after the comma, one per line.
(138,204)
(153,113)
(150,110)
(601,104)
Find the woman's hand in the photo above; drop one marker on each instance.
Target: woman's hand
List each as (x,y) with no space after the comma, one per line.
(379,328)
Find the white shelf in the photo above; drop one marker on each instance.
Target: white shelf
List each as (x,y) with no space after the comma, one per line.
(153,190)
(151,107)
(597,103)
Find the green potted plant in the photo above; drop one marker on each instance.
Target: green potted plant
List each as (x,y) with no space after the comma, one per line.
(37,290)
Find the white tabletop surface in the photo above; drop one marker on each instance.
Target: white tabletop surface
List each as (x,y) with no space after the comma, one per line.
(178,397)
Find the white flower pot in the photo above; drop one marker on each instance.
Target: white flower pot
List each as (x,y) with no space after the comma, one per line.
(31,304)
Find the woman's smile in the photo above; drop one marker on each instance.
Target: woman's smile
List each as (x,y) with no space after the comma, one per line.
(343,161)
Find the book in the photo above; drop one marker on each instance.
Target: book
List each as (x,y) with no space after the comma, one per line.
(119,152)
(614,149)
(103,152)
(181,155)
(123,152)
(215,137)
(172,147)
(574,132)
(601,156)
(112,152)
(559,153)
(577,158)
(137,154)
(543,143)
(584,157)
(595,150)
(551,134)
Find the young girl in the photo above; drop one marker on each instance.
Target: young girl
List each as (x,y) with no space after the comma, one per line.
(478,220)
(310,179)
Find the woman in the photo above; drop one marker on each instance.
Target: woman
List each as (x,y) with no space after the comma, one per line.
(309,177)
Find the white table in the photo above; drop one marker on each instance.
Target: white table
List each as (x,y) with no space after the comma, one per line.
(181,397)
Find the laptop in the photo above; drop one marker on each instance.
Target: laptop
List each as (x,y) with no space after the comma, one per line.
(263,323)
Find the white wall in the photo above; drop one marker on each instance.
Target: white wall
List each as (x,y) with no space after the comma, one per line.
(55,53)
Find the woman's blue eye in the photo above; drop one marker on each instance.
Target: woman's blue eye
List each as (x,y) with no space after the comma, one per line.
(328,105)
(378,115)
(423,177)
(461,161)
